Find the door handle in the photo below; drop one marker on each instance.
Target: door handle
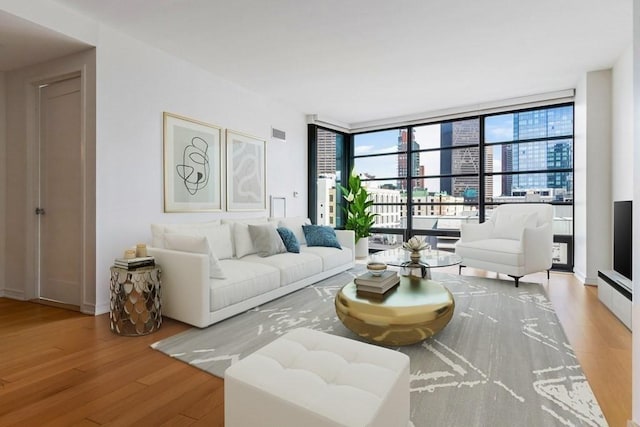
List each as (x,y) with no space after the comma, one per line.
(39,211)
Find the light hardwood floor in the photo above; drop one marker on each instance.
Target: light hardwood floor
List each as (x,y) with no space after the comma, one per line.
(62,368)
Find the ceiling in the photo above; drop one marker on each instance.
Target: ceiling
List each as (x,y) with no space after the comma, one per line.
(362,60)
(24,43)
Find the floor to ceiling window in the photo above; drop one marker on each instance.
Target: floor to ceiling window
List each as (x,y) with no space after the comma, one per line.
(327,162)
(429,179)
(532,154)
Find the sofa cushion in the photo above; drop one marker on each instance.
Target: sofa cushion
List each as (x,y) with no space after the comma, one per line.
(242,242)
(195,244)
(331,257)
(218,235)
(511,225)
(293,267)
(498,251)
(220,240)
(266,240)
(158,230)
(244,280)
(241,237)
(289,239)
(295,224)
(320,235)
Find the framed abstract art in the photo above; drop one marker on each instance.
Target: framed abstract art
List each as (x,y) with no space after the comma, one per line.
(246,176)
(192,165)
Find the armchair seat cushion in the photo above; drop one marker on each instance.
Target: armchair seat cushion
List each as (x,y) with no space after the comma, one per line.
(496,251)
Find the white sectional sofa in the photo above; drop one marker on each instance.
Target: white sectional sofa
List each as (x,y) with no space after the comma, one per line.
(201,288)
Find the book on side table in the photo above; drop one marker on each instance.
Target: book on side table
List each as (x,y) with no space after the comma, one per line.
(376,284)
(135,263)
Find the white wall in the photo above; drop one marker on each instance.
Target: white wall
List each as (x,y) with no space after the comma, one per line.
(592,175)
(3,177)
(580,180)
(622,127)
(136,83)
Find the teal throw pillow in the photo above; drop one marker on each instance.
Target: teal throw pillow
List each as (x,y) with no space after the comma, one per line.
(320,235)
(289,239)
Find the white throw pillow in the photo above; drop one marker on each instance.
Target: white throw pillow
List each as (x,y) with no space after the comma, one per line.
(295,224)
(511,226)
(158,230)
(232,222)
(266,240)
(220,240)
(219,236)
(242,240)
(196,245)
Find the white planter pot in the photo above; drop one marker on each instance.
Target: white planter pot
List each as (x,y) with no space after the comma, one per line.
(362,248)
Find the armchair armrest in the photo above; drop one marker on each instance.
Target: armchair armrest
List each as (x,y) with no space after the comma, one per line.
(185,285)
(473,232)
(537,244)
(347,239)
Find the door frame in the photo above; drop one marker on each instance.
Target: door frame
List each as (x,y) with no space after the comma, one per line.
(86,72)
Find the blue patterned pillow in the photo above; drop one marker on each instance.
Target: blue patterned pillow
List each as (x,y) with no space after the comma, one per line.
(289,239)
(320,235)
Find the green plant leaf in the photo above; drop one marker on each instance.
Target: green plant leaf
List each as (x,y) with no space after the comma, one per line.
(359,218)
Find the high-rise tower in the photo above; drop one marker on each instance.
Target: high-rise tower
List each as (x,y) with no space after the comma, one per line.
(402,158)
(464,160)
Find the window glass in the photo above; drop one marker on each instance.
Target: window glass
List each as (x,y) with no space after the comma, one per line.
(388,166)
(527,156)
(329,157)
(386,141)
(385,241)
(498,128)
(532,187)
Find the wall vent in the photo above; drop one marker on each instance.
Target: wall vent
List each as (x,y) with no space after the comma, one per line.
(278,134)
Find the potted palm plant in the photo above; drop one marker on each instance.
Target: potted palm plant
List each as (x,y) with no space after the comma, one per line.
(357,210)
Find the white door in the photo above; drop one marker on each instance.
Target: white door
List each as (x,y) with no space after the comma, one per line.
(60,210)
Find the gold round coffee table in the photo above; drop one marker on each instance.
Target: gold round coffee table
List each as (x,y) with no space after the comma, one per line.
(415,310)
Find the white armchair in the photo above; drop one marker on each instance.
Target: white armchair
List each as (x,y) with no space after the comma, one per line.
(516,240)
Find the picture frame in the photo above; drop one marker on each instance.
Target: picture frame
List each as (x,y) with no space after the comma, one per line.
(278,207)
(246,172)
(192,157)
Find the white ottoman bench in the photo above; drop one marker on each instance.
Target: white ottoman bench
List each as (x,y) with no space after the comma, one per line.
(312,379)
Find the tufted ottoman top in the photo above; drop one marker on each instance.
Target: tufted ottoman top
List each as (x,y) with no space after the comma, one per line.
(338,378)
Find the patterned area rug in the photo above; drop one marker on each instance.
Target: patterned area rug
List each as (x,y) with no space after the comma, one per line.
(503,360)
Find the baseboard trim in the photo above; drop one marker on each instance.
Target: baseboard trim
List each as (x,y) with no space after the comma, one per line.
(14,294)
(56,304)
(96,310)
(581,277)
(631,423)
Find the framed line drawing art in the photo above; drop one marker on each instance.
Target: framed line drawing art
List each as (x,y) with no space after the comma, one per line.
(192,165)
(246,175)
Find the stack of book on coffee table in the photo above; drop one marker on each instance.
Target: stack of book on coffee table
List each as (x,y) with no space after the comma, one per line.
(368,284)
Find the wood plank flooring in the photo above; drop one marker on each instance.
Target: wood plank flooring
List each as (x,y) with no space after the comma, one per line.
(61,368)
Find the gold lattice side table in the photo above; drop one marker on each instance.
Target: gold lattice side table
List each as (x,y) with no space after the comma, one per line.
(135,301)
